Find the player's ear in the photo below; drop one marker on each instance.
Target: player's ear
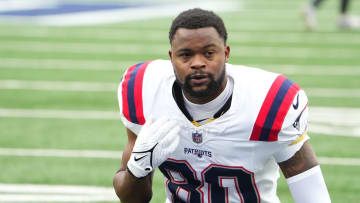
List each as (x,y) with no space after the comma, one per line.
(170,54)
(227,53)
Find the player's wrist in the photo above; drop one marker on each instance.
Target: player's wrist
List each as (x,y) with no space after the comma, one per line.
(132,174)
(137,168)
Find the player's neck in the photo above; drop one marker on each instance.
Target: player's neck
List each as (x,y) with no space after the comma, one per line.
(208,98)
(207,110)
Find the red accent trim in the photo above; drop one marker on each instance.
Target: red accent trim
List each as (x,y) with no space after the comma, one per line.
(125,105)
(138,93)
(283,110)
(227,189)
(255,135)
(237,167)
(194,173)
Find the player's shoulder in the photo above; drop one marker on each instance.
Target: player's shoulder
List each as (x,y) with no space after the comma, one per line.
(276,101)
(154,68)
(249,74)
(141,75)
(138,89)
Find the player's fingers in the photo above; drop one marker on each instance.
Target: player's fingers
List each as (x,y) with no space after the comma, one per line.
(172,138)
(156,124)
(165,128)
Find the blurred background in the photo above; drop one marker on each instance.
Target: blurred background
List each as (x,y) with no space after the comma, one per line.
(61,61)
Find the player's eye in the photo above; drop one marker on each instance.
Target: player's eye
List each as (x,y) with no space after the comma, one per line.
(209,53)
(185,55)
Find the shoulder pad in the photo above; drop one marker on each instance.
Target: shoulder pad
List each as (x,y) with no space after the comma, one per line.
(130,94)
(274,109)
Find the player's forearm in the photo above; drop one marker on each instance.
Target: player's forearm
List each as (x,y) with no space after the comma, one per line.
(132,190)
(309,187)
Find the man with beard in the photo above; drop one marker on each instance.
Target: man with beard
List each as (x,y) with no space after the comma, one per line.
(218,132)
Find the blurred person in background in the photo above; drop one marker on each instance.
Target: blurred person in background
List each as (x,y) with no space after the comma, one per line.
(345,21)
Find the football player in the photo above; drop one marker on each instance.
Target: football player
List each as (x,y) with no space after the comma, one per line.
(217,132)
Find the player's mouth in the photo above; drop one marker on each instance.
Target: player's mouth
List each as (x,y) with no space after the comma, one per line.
(199,79)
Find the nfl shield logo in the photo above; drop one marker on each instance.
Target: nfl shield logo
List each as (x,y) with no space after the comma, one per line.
(197,137)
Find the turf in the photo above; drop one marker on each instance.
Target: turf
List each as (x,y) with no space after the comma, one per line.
(265,34)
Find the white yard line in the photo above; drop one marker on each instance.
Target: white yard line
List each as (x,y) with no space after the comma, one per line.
(161,49)
(67,64)
(106,65)
(339,161)
(118,154)
(55,193)
(109,33)
(335,116)
(316,70)
(52,189)
(61,153)
(112,87)
(10,198)
(59,85)
(323,120)
(59,114)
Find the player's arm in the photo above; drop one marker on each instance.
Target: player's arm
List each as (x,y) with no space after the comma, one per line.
(297,159)
(304,177)
(142,155)
(303,160)
(127,187)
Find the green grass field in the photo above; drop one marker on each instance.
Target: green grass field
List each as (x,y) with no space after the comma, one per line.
(266,34)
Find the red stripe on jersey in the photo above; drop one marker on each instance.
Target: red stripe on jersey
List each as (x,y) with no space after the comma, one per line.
(125,105)
(132,93)
(255,135)
(283,110)
(138,93)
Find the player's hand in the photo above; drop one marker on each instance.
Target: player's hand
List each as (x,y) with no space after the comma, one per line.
(155,142)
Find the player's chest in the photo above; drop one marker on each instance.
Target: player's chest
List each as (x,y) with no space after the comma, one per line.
(222,145)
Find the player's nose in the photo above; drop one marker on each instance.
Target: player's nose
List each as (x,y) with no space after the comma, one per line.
(198,62)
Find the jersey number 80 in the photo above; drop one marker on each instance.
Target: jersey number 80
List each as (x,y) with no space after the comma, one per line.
(217,178)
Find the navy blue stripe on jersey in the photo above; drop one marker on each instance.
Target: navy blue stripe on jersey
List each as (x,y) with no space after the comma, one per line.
(131,94)
(271,116)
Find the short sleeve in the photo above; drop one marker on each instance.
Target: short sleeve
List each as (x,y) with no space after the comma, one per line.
(293,133)
(130,97)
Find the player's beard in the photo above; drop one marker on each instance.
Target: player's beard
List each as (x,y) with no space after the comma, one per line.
(213,87)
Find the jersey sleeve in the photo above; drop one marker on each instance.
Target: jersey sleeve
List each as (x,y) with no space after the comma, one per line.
(294,129)
(274,110)
(130,97)
(282,118)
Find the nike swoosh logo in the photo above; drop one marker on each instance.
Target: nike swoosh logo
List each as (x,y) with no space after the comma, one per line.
(296,106)
(138,158)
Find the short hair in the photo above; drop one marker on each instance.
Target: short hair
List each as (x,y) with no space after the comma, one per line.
(198,18)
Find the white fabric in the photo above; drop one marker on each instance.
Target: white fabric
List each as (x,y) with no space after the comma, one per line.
(290,150)
(207,110)
(309,187)
(156,141)
(225,142)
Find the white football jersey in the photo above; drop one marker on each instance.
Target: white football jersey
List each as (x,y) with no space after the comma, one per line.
(233,158)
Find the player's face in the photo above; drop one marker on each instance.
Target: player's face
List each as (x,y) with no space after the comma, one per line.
(198,57)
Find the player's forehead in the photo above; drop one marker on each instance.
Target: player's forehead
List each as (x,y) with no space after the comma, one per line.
(200,36)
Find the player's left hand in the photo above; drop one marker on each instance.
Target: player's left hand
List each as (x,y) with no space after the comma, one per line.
(155,142)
